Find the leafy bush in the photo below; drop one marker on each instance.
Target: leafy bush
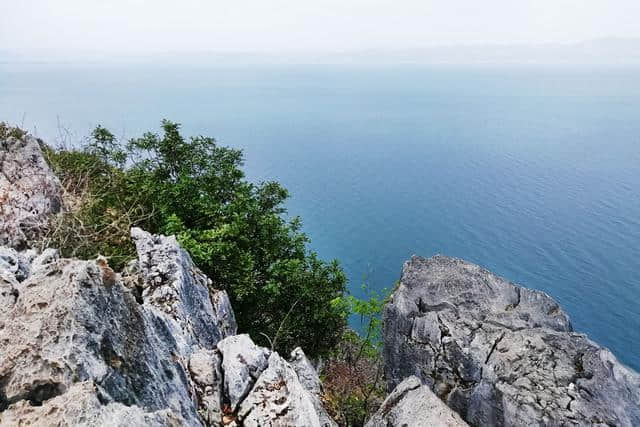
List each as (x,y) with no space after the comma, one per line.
(235,231)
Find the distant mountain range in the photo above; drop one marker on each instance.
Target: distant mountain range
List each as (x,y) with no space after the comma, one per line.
(605,51)
(600,51)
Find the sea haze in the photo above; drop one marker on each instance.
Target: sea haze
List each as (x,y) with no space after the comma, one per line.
(531,172)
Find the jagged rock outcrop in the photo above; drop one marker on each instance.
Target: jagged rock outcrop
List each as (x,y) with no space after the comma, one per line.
(29,191)
(310,381)
(74,321)
(263,389)
(499,354)
(173,288)
(83,348)
(412,404)
(243,361)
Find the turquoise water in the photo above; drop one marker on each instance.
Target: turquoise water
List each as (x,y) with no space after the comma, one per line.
(533,173)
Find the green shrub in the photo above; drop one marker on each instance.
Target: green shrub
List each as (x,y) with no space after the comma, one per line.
(353,375)
(235,231)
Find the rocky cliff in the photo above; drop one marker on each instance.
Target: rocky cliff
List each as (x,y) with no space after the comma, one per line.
(82,345)
(500,354)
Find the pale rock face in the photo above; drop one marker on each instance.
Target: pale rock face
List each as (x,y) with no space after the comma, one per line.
(77,343)
(175,289)
(499,354)
(278,399)
(65,321)
(263,389)
(412,404)
(306,373)
(206,373)
(29,192)
(242,363)
(309,379)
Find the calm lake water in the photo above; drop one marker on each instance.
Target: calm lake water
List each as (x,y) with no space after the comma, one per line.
(533,173)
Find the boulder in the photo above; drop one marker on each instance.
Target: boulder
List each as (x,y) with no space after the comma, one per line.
(83,404)
(263,389)
(305,371)
(412,404)
(29,191)
(206,373)
(176,290)
(500,354)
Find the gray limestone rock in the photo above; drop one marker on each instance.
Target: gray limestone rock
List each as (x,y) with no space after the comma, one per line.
(306,373)
(263,389)
(278,399)
(412,404)
(83,404)
(64,322)
(500,354)
(29,192)
(73,322)
(79,344)
(175,289)
(309,379)
(242,363)
(206,372)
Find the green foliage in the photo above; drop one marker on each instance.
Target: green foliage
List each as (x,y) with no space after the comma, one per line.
(353,379)
(235,231)
(369,311)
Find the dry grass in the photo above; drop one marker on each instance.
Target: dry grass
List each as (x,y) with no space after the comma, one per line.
(353,388)
(83,229)
(7,131)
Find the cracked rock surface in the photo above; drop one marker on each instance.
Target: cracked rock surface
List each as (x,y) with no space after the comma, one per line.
(412,403)
(81,345)
(29,191)
(64,322)
(500,354)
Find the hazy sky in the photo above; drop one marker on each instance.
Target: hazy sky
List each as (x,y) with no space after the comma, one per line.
(277,26)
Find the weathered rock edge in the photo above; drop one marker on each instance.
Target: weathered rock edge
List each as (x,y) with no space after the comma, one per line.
(412,403)
(82,345)
(500,354)
(29,191)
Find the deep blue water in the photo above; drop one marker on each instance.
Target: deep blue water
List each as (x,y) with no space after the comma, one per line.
(533,173)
